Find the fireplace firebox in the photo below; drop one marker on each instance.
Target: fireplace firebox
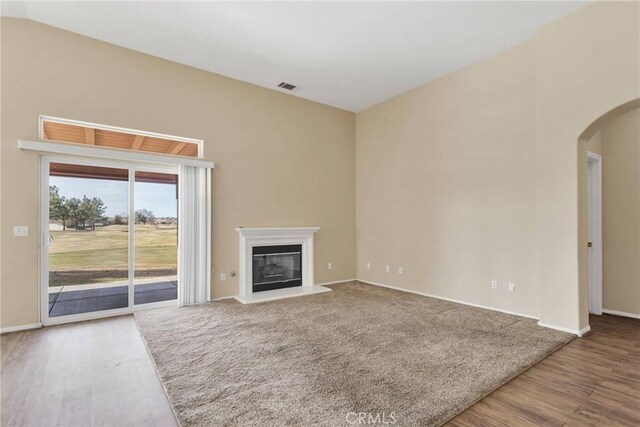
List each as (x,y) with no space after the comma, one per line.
(276,267)
(276,262)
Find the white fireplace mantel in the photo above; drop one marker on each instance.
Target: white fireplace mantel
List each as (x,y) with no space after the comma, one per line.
(250,237)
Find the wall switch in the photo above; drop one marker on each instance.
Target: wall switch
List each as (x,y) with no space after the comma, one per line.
(494,284)
(369,265)
(400,270)
(330,266)
(21,231)
(512,287)
(223,277)
(386,268)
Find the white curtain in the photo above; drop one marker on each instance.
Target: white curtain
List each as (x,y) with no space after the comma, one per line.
(193,235)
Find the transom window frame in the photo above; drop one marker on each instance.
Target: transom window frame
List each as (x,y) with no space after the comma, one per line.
(98,126)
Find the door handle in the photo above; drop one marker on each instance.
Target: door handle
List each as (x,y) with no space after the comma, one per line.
(589,244)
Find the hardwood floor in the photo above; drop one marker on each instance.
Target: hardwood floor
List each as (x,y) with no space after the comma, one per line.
(99,373)
(592,381)
(95,373)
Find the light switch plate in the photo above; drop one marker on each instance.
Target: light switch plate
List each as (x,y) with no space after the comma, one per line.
(21,230)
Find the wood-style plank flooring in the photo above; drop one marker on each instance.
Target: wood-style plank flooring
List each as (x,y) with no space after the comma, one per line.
(95,373)
(592,381)
(99,373)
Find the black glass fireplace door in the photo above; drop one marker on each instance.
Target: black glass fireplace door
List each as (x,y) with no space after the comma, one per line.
(277,267)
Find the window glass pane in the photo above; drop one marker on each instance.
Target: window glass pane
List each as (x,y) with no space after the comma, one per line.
(88,239)
(156,237)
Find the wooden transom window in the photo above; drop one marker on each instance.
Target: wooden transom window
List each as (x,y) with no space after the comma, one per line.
(123,139)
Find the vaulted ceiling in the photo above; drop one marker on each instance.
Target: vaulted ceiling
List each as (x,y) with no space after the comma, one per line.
(350,55)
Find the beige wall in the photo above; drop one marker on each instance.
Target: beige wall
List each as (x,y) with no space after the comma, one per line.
(588,64)
(621,213)
(280,160)
(474,176)
(446,185)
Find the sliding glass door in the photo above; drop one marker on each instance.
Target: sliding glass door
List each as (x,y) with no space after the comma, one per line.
(88,249)
(111,237)
(156,237)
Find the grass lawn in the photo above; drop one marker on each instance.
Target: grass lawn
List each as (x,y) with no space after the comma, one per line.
(79,257)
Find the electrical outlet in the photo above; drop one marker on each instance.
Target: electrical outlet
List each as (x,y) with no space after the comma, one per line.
(400,270)
(512,287)
(494,284)
(223,277)
(386,268)
(330,266)
(369,265)
(20,231)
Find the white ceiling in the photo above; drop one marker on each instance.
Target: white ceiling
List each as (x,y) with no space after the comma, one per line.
(348,55)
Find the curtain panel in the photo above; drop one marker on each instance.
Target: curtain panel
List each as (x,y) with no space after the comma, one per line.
(193,235)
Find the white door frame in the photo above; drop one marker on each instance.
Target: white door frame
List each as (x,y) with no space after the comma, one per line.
(594,231)
(44,233)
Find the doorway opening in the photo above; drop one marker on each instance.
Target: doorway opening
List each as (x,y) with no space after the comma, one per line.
(608,205)
(111,244)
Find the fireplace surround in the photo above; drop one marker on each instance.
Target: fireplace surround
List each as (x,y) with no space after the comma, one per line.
(276,263)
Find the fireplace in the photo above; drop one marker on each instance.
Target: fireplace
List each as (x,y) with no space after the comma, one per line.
(276,263)
(276,267)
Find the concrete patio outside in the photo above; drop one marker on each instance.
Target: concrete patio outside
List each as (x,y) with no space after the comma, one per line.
(66,300)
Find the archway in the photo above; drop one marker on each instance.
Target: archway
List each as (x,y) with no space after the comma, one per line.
(589,141)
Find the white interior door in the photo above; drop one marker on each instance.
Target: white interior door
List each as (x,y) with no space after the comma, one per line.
(594,219)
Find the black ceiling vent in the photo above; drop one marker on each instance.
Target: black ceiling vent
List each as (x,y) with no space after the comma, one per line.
(287,86)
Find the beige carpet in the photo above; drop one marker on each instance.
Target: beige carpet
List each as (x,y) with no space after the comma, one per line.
(313,360)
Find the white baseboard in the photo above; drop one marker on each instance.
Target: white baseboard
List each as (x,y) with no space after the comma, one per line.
(544,325)
(335,282)
(222,298)
(20,328)
(584,330)
(577,332)
(448,299)
(621,313)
